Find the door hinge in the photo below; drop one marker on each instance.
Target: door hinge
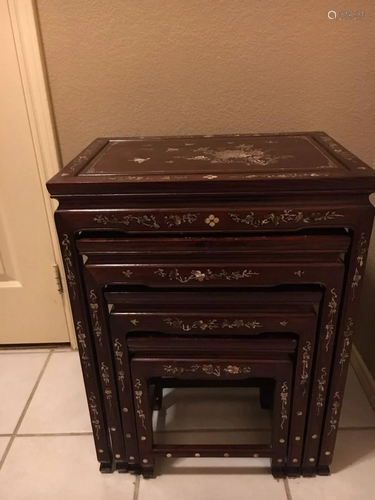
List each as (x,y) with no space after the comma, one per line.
(56,270)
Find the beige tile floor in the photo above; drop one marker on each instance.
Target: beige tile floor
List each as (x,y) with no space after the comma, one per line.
(47,453)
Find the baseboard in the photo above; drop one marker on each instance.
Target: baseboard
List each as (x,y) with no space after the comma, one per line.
(364,375)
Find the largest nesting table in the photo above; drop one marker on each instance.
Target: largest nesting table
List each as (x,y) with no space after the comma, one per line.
(169,189)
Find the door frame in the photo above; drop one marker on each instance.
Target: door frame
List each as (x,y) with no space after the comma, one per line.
(27,41)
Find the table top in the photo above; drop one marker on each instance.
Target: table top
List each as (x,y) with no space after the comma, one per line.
(269,162)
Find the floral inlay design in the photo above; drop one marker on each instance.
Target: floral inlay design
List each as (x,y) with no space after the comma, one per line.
(67,258)
(208,275)
(81,336)
(215,370)
(104,372)
(134,322)
(305,365)
(299,273)
(178,220)
(242,153)
(138,398)
(334,413)
(344,355)
(106,380)
(337,149)
(284,404)
(126,220)
(94,308)
(289,175)
(321,387)
(127,273)
(119,354)
(211,220)
(88,153)
(153,178)
(362,249)
(118,351)
(330,326)
(94,414)
(285,217)
(211,324)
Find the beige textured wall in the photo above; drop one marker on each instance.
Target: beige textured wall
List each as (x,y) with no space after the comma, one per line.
(146,67)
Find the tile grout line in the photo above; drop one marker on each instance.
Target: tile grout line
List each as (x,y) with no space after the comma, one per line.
(287,489)
(26,351)
(55,434)
(137,484)
(26,407)
(172,431)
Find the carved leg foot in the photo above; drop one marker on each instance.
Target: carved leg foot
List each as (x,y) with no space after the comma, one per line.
(292,471)
(308,471)
(323,470)
(106,467)
(135,469)
(148,471)
(122,467)
(277,471)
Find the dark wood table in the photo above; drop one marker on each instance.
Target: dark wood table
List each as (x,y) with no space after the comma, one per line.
(168,200)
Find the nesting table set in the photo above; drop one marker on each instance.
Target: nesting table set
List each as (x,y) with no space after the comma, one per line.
(221,261)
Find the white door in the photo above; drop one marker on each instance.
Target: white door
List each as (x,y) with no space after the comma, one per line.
(31,307)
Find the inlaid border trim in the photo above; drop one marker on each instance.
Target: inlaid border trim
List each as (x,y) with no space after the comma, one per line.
(67,258)
(207,275)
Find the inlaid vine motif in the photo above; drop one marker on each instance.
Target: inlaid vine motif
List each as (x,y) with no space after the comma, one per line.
(207,275)
(322,380)
(337,149)
(211,324)
(285,217)
(362,249)
(334,413)
(208,369)
(86,155)
(153,178)
(67,258)
(284,404)
(126,220)
(138,398)
(288,175)
(105,377)
(178,220)
(81,336)
(330,326)
(118,351)
(119,354)
(305,365)
(94,414)
(344,355)
(94,308)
